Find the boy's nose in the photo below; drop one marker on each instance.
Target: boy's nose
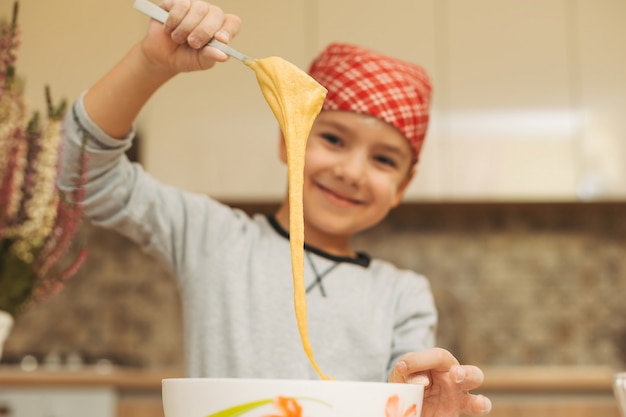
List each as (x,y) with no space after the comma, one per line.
(352,168)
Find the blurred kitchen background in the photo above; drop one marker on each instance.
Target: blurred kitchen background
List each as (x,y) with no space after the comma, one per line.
(517,215)
(516,284)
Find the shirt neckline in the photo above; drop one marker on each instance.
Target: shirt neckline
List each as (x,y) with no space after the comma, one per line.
(361,258)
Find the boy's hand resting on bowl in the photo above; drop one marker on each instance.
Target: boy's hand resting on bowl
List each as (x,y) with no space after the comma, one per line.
(446,383)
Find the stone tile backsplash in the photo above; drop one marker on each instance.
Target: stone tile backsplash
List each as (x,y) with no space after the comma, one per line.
(516,284)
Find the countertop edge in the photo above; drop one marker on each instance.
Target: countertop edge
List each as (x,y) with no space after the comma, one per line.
(120,378)
(497,378)
(548,378)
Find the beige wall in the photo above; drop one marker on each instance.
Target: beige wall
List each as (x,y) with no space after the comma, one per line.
(527,106)
(69,44)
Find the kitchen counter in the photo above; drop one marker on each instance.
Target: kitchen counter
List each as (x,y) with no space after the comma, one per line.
(548,378)
(515,391)
(511,378)
(545,391)
(120,378)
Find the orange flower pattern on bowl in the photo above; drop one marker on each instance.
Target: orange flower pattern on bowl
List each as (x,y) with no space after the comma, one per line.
(292,407)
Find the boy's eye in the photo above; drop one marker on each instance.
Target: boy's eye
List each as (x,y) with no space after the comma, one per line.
(332,139)
(385,160)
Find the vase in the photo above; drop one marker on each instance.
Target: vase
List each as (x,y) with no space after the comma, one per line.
(619,388)
(6,323)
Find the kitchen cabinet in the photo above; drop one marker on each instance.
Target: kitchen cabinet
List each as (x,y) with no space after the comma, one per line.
(120,392)
(501,125)
(527,95)
(507,112)
(502,113)
(601,96)
(58,402)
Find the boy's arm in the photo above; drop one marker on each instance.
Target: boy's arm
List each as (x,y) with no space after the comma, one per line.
(115,100)
(119,195)
(178,46)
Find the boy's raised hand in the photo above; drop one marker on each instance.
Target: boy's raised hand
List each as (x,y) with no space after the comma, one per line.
(115,100)
(446,383)
(179,44)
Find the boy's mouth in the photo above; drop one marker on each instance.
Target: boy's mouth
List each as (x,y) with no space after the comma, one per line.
(338,197)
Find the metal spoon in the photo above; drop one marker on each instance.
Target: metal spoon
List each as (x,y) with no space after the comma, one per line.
(148,8)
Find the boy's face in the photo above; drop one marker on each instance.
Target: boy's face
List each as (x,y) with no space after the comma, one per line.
(357,168)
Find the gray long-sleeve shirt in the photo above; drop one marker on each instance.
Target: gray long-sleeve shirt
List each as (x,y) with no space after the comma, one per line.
(234,273)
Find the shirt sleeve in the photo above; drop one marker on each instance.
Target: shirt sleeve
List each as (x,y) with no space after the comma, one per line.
(164,221)
(416,318)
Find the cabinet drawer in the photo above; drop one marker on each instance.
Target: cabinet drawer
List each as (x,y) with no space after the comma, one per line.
(58,402)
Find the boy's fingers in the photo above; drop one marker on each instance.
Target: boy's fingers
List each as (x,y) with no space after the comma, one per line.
(477,405)
(436,359)
(198,25)
(203,31)
(230,28)
(399,374)
(228,31)
(177,11)
(468,377)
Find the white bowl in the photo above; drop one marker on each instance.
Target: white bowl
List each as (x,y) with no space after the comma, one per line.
(226,397)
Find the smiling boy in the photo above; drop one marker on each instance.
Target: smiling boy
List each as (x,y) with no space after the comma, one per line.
(357,168)
(363,147)
(368,319)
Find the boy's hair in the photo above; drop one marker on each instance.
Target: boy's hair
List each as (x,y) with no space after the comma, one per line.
(363,81)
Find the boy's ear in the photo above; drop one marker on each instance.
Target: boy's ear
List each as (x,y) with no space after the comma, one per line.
(403,186)
(282,148)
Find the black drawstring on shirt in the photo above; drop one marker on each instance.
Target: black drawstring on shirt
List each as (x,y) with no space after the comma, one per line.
(318,276)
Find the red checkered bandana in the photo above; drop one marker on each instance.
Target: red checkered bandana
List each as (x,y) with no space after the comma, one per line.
(363,81)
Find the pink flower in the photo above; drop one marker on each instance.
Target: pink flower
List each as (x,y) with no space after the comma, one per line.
(38,222)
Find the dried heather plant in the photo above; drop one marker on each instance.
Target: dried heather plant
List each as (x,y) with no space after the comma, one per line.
(38,223)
